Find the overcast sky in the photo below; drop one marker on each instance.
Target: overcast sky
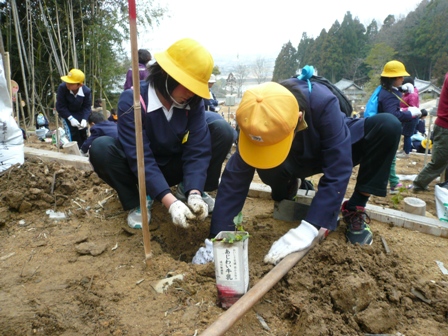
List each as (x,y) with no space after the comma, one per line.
(228,28)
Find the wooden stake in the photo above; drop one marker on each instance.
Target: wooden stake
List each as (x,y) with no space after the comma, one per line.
(138,130)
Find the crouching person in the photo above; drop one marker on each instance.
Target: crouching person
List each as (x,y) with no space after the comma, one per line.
(292,130)
(180,147)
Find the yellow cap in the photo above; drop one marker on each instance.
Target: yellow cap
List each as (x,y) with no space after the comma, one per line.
(424,143)
(267,116)
(394,69)
(190,64)
(75,76)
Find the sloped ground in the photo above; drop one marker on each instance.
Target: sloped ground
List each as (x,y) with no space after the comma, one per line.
(86,275)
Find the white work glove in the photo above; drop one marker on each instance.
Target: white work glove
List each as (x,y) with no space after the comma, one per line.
(83,124)
(294,240)
(415,111)
(73,121)
(408,87)
(180,213)
(198,206)
(205,254)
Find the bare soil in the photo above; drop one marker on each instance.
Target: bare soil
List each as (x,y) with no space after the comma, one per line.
(86,274)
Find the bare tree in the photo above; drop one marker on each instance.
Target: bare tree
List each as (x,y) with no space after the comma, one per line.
(241,73)
(260,69)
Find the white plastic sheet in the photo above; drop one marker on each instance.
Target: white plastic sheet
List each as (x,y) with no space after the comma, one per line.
(11,137)
(441,195)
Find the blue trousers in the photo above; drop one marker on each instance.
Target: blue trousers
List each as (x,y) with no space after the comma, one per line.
(109,162)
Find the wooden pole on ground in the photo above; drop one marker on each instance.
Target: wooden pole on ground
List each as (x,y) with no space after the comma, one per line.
(248,300)
(138,131)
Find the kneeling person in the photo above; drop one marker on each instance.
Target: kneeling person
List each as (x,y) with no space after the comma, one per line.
(99,126)
(181,145)
(288,131)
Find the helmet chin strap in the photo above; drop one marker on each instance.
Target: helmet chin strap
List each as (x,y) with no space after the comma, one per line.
(175,102)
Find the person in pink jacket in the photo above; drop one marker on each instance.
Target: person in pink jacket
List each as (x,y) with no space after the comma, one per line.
(410,98)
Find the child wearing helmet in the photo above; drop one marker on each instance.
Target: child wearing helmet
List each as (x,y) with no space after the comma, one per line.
(74,104)
(289,133)
(389,100)
(183,146)
(212,104)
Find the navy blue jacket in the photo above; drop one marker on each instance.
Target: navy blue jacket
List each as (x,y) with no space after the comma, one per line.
(103,128)
(212,103)
(390,103)
(186,135)
(325,146)
(67,104)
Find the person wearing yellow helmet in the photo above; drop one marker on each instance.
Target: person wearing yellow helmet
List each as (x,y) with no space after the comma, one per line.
(212,104)
(389,99)
(74,105)
(293,130)
(183,145)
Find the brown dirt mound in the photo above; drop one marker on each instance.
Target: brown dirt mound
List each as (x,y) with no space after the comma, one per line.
(86,275)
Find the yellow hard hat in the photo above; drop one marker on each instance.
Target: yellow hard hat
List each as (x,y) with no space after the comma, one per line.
(394,69)
(189,63)
(75,76)
(424,143)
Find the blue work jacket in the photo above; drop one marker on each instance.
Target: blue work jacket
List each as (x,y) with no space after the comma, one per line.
(389,102)
(106,127)
(185,135)
(78,106)
(324,147)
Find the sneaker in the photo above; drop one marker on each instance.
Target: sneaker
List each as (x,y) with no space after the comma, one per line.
(402,155)
(358,231)
(210,201)
(396,189)
(135,215)
(205,254)
(417,189)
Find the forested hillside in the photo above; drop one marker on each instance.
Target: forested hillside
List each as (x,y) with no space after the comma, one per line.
(355,52)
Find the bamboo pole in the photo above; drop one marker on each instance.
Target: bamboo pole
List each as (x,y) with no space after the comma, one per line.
(7,66)
(103,105)
(248,300)
(56,117)
(138,130)
(19,99)
(17,115)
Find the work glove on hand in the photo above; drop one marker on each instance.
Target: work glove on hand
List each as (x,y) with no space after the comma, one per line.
(180,213)
(415,111)
(408,88)
(294,240)
(73,121)
(198,206)
(83,124)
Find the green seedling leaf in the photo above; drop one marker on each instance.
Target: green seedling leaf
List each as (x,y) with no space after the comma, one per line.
(238,235)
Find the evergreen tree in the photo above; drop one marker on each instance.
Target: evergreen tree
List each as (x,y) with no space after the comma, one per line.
(285,63)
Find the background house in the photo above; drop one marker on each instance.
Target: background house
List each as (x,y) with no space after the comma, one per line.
(353,92)
(426,88)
